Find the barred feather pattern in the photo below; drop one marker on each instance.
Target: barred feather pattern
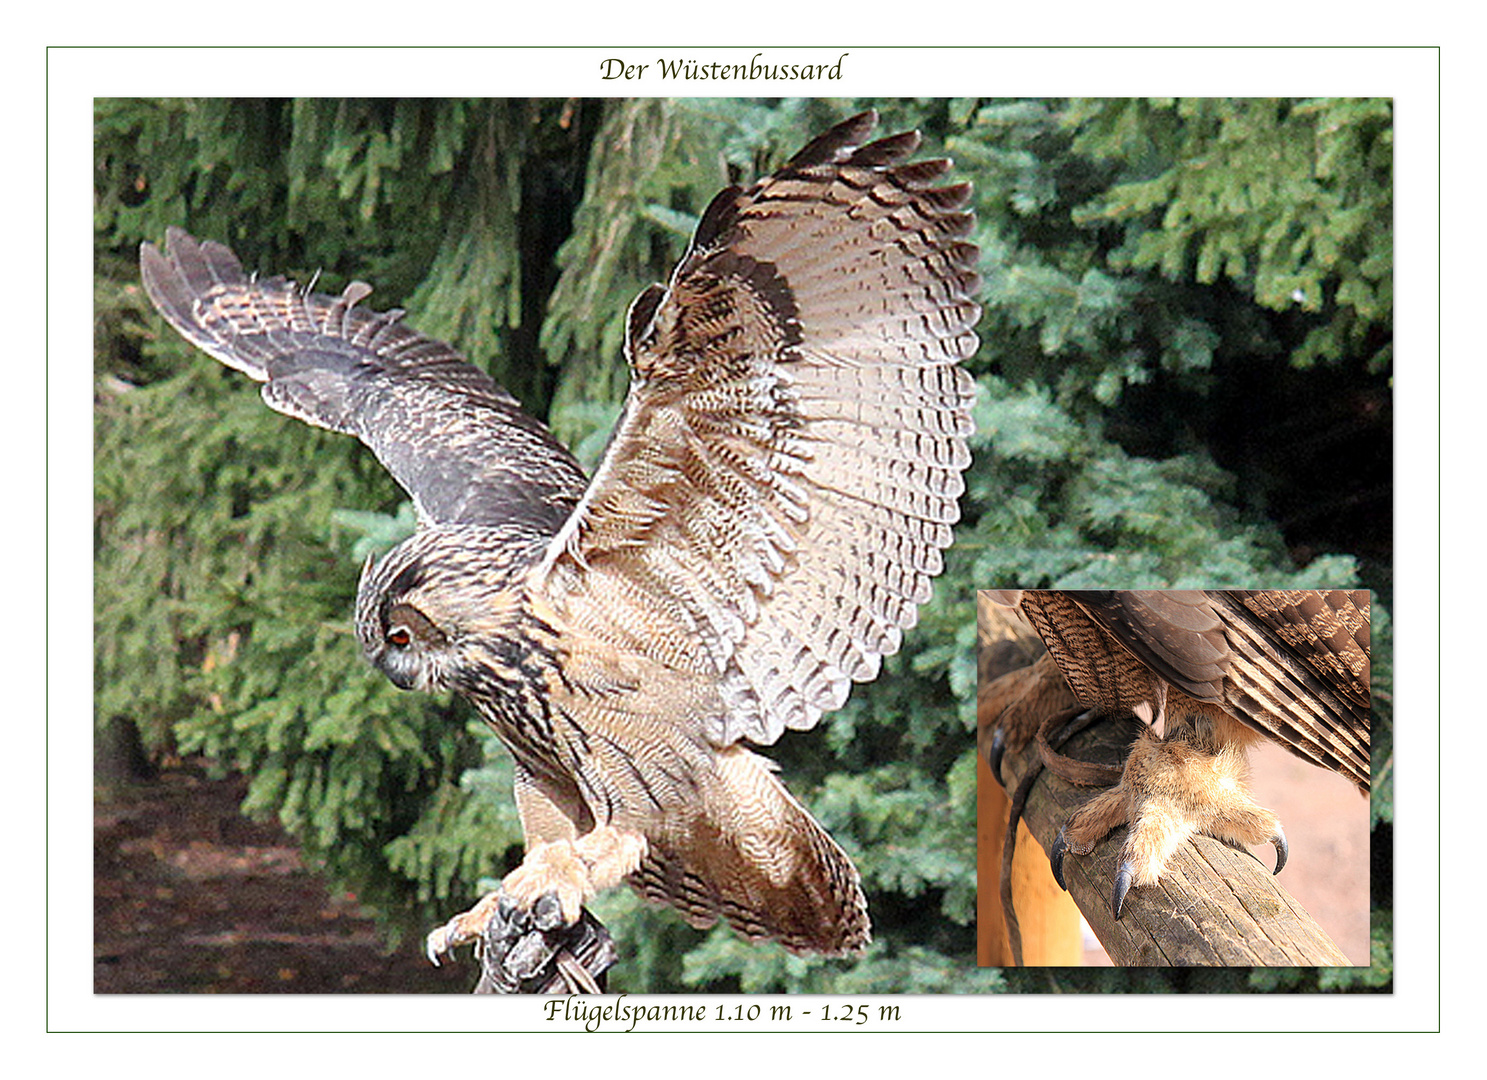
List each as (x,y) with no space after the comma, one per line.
(763,864)
(458,443)
(1301,672)
(796,388)
(1291,664)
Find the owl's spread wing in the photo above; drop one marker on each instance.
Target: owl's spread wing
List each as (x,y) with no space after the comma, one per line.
(452,438)
(777,494)
(1293,664)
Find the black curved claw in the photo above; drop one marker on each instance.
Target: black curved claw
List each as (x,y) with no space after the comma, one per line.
(1123,878)
(995,753)
(1282,849)
(1056,857)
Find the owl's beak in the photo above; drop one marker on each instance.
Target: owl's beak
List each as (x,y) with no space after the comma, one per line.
(400,675)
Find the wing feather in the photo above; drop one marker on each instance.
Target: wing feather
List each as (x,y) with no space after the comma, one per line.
(786,471)
(457,442)
(1293,664)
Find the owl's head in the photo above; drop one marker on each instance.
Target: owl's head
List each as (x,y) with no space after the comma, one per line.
(427,610)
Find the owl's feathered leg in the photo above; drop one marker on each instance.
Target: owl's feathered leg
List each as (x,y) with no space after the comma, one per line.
(1188,783)
(575,870)
(552,882)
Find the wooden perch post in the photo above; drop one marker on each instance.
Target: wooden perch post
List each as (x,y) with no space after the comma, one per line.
(1216,906)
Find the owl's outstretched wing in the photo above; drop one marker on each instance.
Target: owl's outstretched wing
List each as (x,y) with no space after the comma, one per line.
(784,477)
(454,440)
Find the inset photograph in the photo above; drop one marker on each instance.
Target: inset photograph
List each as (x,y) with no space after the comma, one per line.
(1173,778)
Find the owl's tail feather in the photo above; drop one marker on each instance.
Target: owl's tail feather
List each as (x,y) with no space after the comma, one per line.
(749,853)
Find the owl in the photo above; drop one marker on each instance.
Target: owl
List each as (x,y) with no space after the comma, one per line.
(762,529)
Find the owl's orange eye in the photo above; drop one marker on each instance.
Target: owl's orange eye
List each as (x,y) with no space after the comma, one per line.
(399,636)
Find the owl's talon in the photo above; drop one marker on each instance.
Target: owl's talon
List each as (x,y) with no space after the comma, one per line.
(1056,858)
(1123,879)
(1282,849)
(466,927)
(438,944)
(995,753)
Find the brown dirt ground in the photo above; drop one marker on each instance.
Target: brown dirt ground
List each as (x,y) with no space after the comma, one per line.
(190,897)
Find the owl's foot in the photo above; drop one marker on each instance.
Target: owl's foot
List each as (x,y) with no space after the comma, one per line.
(1170,790)
(546,893)
(470,925)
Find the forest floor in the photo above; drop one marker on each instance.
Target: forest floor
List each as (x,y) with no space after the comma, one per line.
(191,897)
